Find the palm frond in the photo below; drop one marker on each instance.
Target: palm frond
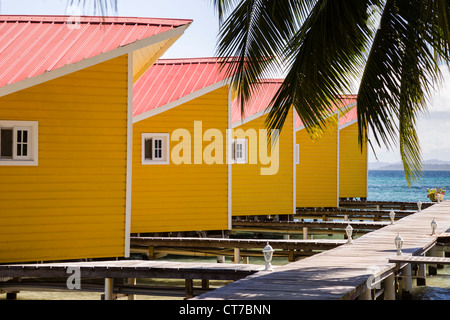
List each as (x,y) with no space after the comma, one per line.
(326,56)
(400,74)
(97,7)
(256,34)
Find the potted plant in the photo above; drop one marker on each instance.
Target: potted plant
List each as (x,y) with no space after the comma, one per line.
(434,193)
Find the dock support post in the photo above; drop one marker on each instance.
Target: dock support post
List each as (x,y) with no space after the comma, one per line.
(189,288)
(237,255)
(421,273)
(366,295)
(389,287)
(132,281)
(305,233)
(432,268)
(109,288)
(407,282)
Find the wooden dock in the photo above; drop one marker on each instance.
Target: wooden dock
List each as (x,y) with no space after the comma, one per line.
(155,246)
(348,271)
(124,269)
(316,227)
(349,214)
(397,205)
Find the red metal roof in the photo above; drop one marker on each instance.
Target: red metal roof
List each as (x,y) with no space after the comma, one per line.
(262,99)
(347,100)
(171,79)
(33,45)
(258,102)
(348,117)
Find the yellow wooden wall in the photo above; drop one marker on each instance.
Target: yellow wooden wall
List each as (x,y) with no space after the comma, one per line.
(317,171)
(72,205)
(257,194)
(182,197)
(352,164)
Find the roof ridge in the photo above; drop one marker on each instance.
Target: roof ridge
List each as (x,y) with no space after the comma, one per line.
(95,19)
(188,60)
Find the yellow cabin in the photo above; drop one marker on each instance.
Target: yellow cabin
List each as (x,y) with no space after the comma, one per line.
(263,173)
(66,129)
(353,168)
(180,169)
(323,162)
(317,167)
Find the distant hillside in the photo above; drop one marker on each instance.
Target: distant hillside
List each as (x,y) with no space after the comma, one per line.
(428,165)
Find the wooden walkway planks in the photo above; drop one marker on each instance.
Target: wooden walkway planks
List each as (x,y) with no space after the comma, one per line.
(357,225)
(133,269)
(341,273)
(317,244)
(419,259)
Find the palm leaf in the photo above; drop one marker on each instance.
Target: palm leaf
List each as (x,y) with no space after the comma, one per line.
(399,76)
(326,57)
(100,7)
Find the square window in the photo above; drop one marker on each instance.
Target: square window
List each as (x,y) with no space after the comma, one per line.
(18,143)
(155,148)
(239,151)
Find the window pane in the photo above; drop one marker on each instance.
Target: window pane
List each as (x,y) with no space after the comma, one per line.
(19,136)
(25,149)
(148,149)
(19,149)
(6,148)
(25,136)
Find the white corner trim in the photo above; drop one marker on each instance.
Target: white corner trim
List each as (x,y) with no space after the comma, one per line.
(230,167)
(89,62)
(338,160)
(129,157)
(180,101)
(294,162)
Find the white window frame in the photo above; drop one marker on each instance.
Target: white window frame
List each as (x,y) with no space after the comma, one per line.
(164,137)
(31,159)
(244,157)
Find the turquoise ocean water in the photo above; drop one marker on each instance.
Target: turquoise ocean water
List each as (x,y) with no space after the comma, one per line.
(392,186)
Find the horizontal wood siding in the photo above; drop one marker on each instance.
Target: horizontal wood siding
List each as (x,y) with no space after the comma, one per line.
(317,171)
(352,164)
(182,197)
(257,194)
(72,205)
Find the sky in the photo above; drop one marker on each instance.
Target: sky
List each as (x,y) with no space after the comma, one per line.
(200,38)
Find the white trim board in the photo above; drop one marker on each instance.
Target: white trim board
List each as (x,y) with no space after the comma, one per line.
(348,124)
(337,112)
(230,166)
(249,118)
(89,62)
(129,176)
(180,101)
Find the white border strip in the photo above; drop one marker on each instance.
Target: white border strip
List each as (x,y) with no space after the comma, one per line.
(249,118)
(129,157)
(230,167)
(338,160)
(294,161)
(180,101)
(348,107)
